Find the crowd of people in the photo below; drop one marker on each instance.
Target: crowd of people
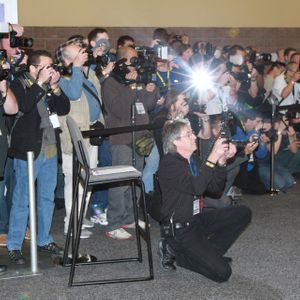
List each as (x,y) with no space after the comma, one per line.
(221,111)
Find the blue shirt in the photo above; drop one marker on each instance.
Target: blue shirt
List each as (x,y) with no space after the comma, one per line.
(73,89)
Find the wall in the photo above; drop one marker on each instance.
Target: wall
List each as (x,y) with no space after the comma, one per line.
(267,24)
(153,13)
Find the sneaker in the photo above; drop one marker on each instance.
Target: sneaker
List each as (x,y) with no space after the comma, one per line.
(119,234)
(3,240)
(85,234)
(52,248)
(100,219)
(87,224)
(16,257)
(142,224)
(27,234)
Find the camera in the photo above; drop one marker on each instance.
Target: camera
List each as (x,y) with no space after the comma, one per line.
(241,76)
(264,57)
(19,41)
(196,107)
(144,65)
(146,69)
(63,70)
(4,74)
(206,50)
(158,51)
(101,61)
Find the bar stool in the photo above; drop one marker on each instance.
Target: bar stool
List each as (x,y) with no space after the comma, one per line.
(98,176)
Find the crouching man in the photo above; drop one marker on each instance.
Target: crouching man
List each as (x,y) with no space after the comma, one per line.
(193,237)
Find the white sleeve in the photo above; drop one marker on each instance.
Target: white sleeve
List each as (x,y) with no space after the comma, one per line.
(278,86)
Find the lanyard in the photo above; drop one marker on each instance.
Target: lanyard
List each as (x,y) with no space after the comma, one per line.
(195,172)
(162,80)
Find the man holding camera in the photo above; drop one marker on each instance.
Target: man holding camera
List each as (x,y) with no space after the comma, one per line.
(193,237)
(83,89)
(40,101)
(286,86)
(120,99)
(8,105)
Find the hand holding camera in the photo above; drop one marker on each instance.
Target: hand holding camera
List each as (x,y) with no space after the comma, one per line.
(251,146)
(55,76)
(132,75)
(219,150)
(80,58)
(45,74)
(107,70)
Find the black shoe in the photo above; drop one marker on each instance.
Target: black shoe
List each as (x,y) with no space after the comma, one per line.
(167,257)
(16,257)
(3,268)
(52,248)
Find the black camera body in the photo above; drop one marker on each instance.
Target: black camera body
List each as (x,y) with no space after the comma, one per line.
(196,107)
(63,70)
(158,51)
(4,74)
(244,76)
(15,41)
(144,65)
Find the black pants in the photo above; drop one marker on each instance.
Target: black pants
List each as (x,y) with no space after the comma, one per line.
(200,247)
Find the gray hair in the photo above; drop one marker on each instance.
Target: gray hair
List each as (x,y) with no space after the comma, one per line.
(171,132)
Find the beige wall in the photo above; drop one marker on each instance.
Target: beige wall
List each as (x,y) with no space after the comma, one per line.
(165,13)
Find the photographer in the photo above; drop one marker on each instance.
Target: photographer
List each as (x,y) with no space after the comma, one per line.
(286,86)
(104,60)
(83,89)
(283,179)
(193,237)
(40,101)
(248,179)
(119,100)
(250,95)
(244,149)
(8,105)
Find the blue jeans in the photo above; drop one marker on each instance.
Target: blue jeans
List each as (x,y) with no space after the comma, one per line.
(282,180)
(151,166)
(45,171)
(6,200)
(289,160)
(100,196)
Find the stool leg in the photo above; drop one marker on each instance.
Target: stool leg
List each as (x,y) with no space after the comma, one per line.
(147,230)
(78,232)
(70,227)
(136,219)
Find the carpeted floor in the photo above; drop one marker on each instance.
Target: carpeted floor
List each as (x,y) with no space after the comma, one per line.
(266,263)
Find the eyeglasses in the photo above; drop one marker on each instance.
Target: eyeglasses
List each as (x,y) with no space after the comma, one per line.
(188,134)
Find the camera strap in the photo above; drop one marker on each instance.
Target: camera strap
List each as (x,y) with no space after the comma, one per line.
(88,89)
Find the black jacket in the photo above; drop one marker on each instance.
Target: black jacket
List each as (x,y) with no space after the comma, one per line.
(179,186)
(27,134)
(3,141)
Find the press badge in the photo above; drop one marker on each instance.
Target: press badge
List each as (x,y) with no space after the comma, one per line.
(54,120)
(140,108)
(196,206)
